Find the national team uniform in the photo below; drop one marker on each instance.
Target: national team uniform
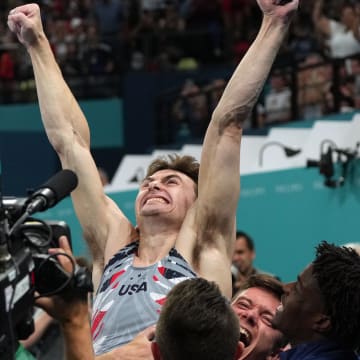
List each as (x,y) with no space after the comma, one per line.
(129,298)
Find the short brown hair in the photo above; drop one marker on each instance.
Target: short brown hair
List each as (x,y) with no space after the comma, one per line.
(186,164)
(197,323)
(263,281)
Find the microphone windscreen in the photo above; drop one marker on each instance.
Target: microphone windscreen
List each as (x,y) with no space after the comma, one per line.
(62,183)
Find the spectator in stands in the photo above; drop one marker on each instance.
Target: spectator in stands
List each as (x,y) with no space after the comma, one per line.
(314,86)
(109,15)
(59,39)
(353,68)
(347,94)
(142,37)
(7,73)
(181,208)
(72,64)
(242,261)
(342,38)
(191,108)
(214,92)
(321,319)
(302,39)
(97,57)
(277,101)
(206,17)
(240,42)
(236,14)
(154,6)
(171,21)
(171,36)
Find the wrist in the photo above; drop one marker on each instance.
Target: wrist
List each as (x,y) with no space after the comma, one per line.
(78,318)
(274,27)
(39,44)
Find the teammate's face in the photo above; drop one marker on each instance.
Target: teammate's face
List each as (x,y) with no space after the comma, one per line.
(255,308)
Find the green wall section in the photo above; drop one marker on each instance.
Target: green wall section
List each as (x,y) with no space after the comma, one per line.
(287,212)
(105,119)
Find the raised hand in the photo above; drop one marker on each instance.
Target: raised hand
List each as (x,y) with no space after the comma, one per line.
(280,9)
(25,22)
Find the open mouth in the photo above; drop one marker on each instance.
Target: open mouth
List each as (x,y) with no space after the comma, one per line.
(156,200)
(245,337)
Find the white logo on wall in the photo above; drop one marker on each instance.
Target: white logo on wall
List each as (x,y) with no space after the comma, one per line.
(289,188)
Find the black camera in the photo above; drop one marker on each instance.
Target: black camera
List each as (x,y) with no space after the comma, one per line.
(25,264)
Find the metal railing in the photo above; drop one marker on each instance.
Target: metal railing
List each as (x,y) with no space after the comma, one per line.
(327,87)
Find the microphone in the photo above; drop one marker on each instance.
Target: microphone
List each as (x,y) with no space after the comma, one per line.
(49,194)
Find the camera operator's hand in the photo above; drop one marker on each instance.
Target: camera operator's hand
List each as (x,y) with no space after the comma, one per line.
(25,22)
(56,305)
(71,310)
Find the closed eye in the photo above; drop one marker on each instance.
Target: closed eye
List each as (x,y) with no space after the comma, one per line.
(172,180)
(243,305)
(267,319)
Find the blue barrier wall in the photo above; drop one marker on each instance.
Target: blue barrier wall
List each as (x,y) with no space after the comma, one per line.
(105,118)
(27,158)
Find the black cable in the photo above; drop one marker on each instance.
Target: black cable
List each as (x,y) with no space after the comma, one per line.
(66,283)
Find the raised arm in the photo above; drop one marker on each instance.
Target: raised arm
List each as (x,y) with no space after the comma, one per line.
(219,178)
(321,22)
(355,27)
(68,133)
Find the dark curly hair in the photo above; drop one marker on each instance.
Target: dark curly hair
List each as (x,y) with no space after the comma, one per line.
(337,270)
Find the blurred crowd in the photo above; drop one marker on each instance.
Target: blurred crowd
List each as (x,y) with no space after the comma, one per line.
(101,38)
(317,71)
